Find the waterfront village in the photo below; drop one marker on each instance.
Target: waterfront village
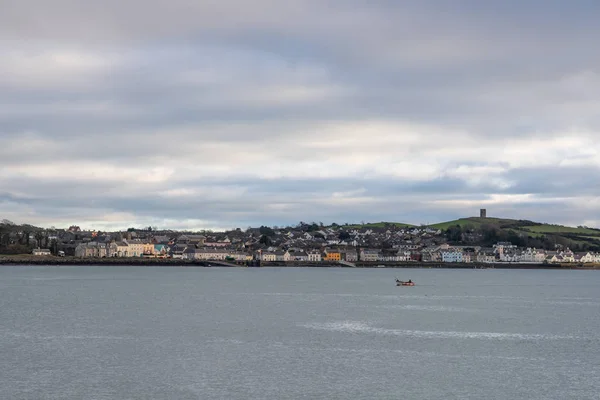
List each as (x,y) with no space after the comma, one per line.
(305,243)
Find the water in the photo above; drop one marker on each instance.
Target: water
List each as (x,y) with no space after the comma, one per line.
(287,333)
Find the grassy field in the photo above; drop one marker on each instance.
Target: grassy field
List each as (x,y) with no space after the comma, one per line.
(558,229)
(474,221)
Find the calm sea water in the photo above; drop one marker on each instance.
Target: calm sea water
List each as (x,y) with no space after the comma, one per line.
(292,333)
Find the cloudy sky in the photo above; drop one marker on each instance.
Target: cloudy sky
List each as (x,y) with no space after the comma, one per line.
(230,113)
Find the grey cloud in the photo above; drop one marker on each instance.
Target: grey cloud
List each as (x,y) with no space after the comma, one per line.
(219,95)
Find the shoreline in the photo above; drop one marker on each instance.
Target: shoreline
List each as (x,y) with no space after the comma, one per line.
(169,262)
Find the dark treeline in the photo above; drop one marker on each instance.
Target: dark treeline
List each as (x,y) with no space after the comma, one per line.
(21,239)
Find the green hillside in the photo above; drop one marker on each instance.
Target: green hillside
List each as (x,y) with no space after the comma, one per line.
(523,232)
(476,222)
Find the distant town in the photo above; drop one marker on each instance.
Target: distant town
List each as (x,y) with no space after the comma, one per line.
(480,240)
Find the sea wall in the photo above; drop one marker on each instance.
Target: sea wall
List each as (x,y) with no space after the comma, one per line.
(170,262)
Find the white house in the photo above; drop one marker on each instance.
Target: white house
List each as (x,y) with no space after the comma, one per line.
(41,252)
(268,256)
(452,256)
(314,256)
(532,255)
(212,254)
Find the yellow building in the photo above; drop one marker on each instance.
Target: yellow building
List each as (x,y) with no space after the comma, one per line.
(332,255)
(148,248)
(136,248)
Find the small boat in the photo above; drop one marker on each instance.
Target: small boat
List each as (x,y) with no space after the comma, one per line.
(404,283)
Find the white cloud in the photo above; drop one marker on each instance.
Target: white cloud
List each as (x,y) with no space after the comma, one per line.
(228,113)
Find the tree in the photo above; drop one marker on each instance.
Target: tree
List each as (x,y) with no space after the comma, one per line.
(313,227)
(4,234)
(264,239)
(265,230)
(54,247)
(343,235)
(5,239)
(454,233)
(39,236)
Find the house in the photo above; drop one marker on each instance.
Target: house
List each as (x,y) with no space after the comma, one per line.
(148,249)
(349,255)
(314,256)
(41,252)
(369,255)
(136,247)
(91,249)
(161,239)
(510,255)
(332,255)
(122,249)
(553,258)
(501,247)
(268,256)
(467,257)
(431,254)
(452,256)
(176,251)
(387,256)
(486,255)
(191,239)
(112,249)
(160,249)
(568,256)
(532,255)
(279,255)
(191,253)
(287,256)
(211,254)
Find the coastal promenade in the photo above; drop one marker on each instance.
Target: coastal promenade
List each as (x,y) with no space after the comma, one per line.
(170,262)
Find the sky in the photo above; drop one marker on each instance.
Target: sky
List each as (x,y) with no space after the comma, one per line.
(188,114)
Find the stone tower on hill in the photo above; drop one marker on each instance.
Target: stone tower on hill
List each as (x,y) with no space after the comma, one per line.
(482,213)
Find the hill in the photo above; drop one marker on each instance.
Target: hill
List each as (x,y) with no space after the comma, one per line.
(521,232)
(476,222)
